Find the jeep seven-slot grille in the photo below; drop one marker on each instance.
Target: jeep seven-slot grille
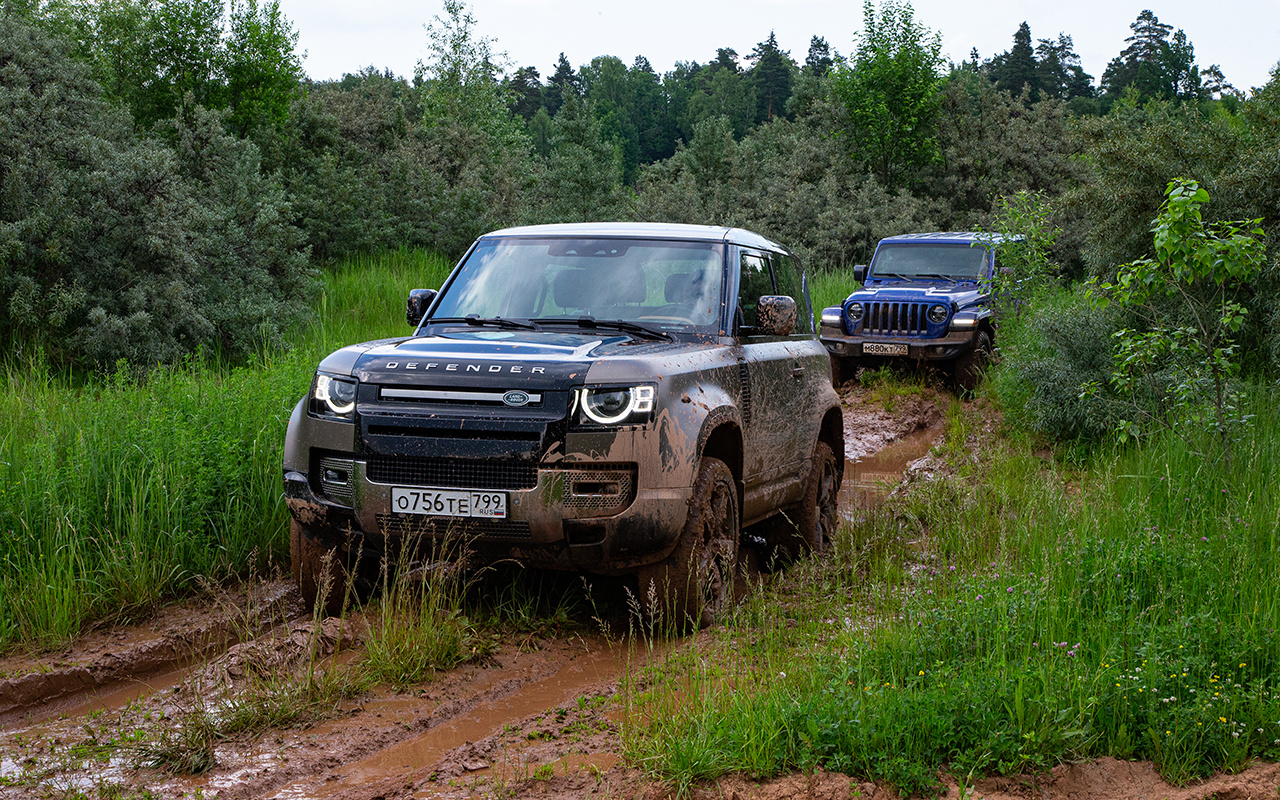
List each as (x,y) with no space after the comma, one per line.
(452,473)
(896,319)
(412,524)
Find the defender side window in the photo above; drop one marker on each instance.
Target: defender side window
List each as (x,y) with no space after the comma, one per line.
(752,285)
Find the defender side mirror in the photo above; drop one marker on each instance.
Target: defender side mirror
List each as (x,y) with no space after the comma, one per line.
(419,302)
(775,315)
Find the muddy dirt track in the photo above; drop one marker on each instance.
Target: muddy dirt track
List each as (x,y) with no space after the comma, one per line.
(538,716)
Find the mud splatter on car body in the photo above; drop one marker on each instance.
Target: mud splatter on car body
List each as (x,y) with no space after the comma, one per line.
(560,394)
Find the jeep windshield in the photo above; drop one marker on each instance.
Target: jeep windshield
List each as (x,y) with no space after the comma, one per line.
(630,285)
(932,261)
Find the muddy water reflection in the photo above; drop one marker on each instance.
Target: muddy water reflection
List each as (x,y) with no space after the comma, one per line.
(868,479)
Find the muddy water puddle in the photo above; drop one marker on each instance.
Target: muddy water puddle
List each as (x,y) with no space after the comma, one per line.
(869,478)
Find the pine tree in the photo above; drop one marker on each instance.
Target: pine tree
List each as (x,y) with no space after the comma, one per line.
(772,74)
(819,62)
(1017,67)
(563,83)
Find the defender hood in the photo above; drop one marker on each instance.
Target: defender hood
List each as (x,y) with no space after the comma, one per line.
(509,359)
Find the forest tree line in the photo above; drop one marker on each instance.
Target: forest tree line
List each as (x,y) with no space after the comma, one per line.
(170,180)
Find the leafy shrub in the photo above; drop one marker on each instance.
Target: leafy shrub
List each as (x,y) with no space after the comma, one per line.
(117,246)
(1048,354)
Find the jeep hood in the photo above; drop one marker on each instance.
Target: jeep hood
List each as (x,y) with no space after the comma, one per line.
(963,295)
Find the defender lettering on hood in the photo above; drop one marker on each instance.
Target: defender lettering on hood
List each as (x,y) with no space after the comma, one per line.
(616,398)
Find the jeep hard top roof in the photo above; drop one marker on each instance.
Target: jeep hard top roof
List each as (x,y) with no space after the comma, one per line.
(640,230)
(947,237)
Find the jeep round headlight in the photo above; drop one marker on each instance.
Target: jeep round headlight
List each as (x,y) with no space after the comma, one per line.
(937,314)
(334,396)
(614,405)
(855,311)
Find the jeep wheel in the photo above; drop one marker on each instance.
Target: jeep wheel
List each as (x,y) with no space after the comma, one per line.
(969,366)
(843,369)
(694,586)
(812,525)
(319,579)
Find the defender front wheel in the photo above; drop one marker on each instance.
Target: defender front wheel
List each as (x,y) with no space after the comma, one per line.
(317,570)
(694,586)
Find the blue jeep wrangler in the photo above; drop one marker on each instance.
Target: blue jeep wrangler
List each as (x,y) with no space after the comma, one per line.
(925,297)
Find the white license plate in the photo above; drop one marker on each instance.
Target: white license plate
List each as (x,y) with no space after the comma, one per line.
(884,349)
(449,503)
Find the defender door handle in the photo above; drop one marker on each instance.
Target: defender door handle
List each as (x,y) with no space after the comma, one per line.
(797,372)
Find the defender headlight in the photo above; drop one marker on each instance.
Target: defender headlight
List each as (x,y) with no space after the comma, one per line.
(614,405)
(855,311)
(937,314)
(332,396)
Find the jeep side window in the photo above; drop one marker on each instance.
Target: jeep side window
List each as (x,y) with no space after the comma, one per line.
(786,274)
(752,285)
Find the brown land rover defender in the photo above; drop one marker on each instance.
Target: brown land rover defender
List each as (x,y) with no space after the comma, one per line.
(606,397)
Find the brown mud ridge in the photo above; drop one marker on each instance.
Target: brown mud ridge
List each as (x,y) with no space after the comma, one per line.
(538,718)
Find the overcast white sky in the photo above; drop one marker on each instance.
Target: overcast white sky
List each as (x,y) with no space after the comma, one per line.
(340,36)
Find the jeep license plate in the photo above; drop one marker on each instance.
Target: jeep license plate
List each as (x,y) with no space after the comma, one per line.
(449,503)
(884,349)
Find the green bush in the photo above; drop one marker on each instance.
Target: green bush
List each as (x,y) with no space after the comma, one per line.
(1048,355)
(117,246)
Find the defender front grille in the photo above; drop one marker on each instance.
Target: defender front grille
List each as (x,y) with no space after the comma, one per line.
(439,527)
(896,319)
(452,473)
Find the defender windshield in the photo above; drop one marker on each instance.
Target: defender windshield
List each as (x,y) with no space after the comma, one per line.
(669,286)
(917,260)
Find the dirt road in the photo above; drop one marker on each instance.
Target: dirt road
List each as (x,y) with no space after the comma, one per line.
(537,716)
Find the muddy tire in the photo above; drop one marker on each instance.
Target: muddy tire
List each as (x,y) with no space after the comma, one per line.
(320,579)
(694,586)
(843,369)
(969,367)
(811,526)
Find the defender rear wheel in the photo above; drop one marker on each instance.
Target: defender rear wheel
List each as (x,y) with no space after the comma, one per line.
(694,586)
(812,526)
(317,568)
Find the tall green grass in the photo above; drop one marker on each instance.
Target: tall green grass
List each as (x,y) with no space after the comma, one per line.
(117,494)
(1128,609)
(830,288)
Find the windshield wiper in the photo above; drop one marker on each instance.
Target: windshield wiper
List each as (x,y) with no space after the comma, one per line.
(479,321)
(635,329)
(938,276)
(890,275)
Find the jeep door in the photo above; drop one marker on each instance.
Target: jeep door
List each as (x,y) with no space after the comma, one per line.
(775,441)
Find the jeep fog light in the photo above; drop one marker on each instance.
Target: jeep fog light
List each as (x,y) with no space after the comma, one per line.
(334,396)
(937,314)
(612,405)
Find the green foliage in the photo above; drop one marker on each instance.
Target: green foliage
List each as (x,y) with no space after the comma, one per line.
(1060,343)
(1135,620)
(120,247)
(1187,297)
(889,91)
(116,494)
(261,69)
(1026,235)
(582,174)
(790,180)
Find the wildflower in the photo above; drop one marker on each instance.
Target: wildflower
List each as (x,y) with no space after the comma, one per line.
(953,569)
(979,597)
(1009,590)
(782,674)
(921,672)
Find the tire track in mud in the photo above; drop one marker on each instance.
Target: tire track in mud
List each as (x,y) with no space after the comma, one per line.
(106,667)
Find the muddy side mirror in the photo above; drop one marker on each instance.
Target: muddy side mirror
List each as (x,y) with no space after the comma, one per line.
(419,302)
(775,315)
